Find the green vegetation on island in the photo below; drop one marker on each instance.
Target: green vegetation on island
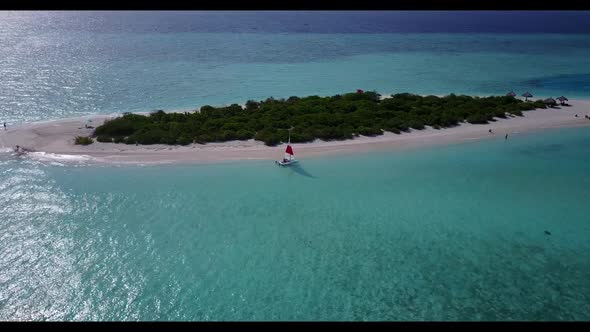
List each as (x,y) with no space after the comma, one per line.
(82,140)
(337,117)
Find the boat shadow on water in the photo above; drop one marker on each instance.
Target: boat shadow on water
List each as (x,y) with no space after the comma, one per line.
(297,168)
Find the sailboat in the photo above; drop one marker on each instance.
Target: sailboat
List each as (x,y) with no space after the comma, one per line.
(288,159)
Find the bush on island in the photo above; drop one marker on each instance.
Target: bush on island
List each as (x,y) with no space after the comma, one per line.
(185,140)
(119,139)
(83,140)
(477,119)
(337,117)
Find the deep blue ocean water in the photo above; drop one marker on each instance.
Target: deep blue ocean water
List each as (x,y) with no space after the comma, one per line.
(446,233)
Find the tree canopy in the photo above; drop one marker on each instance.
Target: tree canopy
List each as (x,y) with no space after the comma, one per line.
(336,117)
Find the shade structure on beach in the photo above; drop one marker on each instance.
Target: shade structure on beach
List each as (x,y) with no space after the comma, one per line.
(562,99)
(550,102)
(511,94)
(527,95)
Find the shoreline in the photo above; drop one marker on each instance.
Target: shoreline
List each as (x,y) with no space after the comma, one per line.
(55,139)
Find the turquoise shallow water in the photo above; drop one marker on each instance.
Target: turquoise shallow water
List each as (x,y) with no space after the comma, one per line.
(445,233)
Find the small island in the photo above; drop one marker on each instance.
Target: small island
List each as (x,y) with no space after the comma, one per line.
(348,123)
(338,117)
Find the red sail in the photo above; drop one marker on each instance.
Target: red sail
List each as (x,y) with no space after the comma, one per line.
(289,150)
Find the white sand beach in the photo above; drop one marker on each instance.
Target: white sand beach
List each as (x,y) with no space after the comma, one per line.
(56,138)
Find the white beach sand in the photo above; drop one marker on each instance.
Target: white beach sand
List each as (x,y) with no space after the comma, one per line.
(55,139)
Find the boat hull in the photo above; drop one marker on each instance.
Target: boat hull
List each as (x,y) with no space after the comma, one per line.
(286,163)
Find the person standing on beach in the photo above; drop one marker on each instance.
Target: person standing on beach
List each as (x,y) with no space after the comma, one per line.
(506,137)
(4,125)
